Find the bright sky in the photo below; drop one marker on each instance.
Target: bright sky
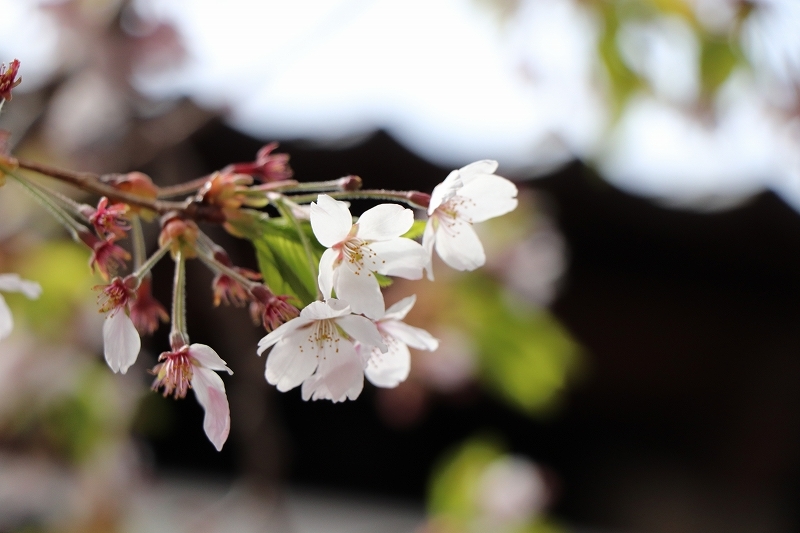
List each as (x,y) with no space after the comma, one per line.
(456,82)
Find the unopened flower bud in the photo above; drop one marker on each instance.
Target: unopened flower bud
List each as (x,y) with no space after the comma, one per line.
(267,167)
(181,235)
(419,199)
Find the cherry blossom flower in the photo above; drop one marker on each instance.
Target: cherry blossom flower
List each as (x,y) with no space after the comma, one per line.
(269,309)
(468,195)
(121,342)
(14,283)
(391,368)
(8,79)
(356,251)
(267,167)
(317,349)
(109,220)
(146,311)
(193,367)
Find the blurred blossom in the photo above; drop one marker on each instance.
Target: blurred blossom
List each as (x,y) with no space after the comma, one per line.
(665,52)
(511,491)
(449,368)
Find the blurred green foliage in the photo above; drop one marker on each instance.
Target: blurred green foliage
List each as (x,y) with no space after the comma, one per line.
(61,268)
(454,485)
(524,355)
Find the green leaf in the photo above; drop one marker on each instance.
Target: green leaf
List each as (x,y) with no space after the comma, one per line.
(417,229)
(281,256)
(718,58)
(383,281)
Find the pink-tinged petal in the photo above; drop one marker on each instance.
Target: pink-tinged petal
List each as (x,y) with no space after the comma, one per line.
(415,337)
(281,331)
(326,268)
(399,310)
(400,257)
(292,360)
(489,197)
(384,221)
(330,220)
(210,393)
(459,246)
(391,368)
(444,191)
(477,169)
(337,383)
(363,330)
(6,320)
(428,240)
(207,357)
(361,291)
(121,342)
(14,283)
(330,308)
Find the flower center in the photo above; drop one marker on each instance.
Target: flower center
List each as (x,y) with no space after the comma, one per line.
(325,336)
(174,373)
(354,250)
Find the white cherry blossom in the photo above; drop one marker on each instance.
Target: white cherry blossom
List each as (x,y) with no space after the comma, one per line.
(391,368)
(356,251)
(468,195)
(195,366)
(317,349)
(121,342)
(14,283)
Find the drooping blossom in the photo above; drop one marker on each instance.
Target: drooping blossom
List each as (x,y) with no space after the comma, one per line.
(146,311)
(106,257)
(14,283)
(193,367)
(227,289)
(121,342)
(269,309)
(8,79)
(392,367)
(356,251)
(267,167)
(317,349)
(109,220)
(468,195)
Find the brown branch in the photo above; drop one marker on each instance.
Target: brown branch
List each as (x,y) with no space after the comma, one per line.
(91,182)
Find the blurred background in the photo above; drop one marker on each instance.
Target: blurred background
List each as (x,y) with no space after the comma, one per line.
(626,361)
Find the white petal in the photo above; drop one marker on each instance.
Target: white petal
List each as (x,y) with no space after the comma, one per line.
(121,342)
(391,368)
(330,220)
(292,360)
(210,393)
(415,337)
(491,196)
(6,320)
(428,239)
(363,330)
(459,246)
(400,257)
(330,308)
(384,221)
(337,383)
(361,291)
(207,357)
(444,191)
(14,283)
(476,169)
(326,268)
(399,310)
(284,329)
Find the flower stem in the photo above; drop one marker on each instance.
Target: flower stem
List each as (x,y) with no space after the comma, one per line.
(371,194)
(178,335)
(286,212)
(218,267)
(137,237)
(143,269)
(66,220)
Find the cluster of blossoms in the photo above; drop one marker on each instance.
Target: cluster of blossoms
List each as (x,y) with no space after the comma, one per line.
(338,338)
